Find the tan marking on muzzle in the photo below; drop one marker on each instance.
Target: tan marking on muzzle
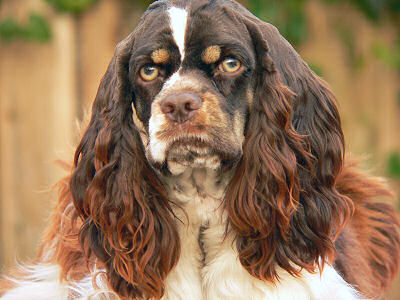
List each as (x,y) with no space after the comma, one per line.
(211,111)
(250,97)
(238,126)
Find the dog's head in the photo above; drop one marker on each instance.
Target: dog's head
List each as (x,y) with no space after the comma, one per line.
(206,84)
(192,74)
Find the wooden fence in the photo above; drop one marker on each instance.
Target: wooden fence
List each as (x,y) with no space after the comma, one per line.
(45,88)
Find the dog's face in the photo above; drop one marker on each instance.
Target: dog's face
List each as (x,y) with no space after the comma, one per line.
(193,87)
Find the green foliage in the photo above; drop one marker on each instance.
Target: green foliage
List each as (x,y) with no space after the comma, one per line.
(145,3)
(348,38)
(288,15)
(374,9)
(394,165)
(394,6)
(256,7)
(390,56)
(37,29)
(72,6)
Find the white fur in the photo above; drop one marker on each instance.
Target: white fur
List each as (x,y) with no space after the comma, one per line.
(184,282)
(178,20)
(42,282)
(195,191)
(176,77)
(158,149)
(225,278)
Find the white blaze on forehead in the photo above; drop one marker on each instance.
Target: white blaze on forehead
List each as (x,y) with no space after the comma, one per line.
(158,148)
(178,20)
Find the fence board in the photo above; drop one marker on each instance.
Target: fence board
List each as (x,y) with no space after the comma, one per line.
(36,117)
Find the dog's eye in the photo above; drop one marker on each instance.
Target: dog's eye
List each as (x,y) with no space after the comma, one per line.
(149,73)
(230,65)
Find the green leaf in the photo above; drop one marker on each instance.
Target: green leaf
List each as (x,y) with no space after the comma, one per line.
(9,30)
(37,29)
(394,165)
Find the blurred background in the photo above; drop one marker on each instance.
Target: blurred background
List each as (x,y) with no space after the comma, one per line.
(53,54)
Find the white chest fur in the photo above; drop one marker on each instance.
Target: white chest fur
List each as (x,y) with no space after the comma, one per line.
(209,268)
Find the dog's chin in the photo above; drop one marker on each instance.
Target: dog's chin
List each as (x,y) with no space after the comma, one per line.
(182,155)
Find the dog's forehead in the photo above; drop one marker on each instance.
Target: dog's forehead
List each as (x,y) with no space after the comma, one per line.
(191,24)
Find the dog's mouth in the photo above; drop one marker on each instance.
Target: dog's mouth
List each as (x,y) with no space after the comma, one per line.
(187,148)
(193,144)
(192,153)
(205,151)
(184,152)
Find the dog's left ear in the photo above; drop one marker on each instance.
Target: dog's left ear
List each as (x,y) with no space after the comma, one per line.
(282,202)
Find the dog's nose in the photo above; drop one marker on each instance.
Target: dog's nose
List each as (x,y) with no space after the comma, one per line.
(180,107)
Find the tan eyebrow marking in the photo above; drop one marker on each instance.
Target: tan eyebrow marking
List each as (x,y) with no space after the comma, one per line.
(211,54)
(160,56)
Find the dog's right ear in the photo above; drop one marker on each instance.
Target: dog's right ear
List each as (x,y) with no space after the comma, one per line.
(128,223)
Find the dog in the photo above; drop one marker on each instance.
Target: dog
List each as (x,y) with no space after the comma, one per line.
(213,167)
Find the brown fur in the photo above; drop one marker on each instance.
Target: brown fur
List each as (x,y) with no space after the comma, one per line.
(369,247)
(62,235)
(211,55)
(278,221)
(126,217)
(160,56)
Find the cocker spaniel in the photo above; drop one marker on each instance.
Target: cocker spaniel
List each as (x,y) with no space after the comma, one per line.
(213,168)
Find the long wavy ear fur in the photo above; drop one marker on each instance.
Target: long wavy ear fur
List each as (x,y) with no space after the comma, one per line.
(282,201)
(127,219)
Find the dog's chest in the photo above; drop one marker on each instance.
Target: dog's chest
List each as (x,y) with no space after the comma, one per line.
(198,193)
(209,266)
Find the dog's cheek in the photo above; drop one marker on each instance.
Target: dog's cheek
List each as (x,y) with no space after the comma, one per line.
(143,98)
(242,106)
(225,85)
(240,109)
